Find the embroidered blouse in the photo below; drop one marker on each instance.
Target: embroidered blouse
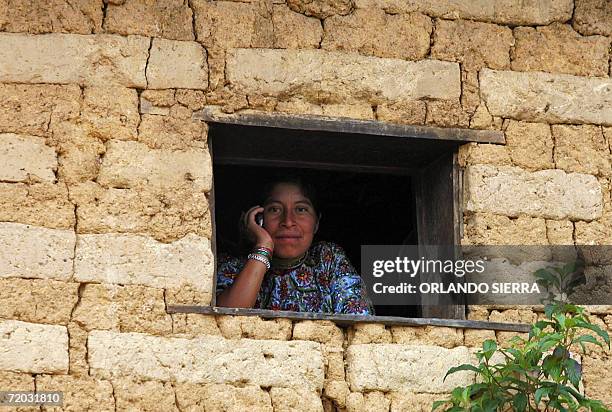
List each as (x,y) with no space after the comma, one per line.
(324,282)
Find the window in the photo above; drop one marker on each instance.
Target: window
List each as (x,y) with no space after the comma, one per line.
(380,183)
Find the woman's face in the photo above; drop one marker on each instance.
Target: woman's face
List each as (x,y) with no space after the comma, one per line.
(290,219)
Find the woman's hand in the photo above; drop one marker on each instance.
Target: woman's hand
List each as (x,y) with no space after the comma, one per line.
(257,234)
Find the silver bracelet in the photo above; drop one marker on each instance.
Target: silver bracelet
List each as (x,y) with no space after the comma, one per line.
(260,258)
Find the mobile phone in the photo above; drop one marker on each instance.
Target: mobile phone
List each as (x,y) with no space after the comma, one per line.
(259,219)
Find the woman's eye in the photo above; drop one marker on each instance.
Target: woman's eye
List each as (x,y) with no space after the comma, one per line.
(302,209)
(273,209)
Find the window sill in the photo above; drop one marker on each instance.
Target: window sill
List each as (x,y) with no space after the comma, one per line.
(347,320)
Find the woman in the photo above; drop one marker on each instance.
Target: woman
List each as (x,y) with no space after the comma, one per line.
(285,270)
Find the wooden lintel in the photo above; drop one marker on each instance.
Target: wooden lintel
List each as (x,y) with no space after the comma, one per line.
(342,319)
(346,125)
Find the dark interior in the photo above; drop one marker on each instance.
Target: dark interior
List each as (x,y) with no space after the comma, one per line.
(363,182)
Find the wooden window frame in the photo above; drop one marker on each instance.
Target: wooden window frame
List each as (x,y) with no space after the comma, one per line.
(438,190)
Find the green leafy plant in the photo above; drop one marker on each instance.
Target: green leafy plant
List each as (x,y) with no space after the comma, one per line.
(537,373)
(560,282)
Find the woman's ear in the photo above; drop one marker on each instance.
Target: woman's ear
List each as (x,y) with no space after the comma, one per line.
(316,228)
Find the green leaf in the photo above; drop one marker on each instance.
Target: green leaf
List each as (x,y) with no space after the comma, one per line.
(546,278)
(560,353)
(586,339)
(552,367)
(573,370)
(586,325)
(437,404)
(464,367)
(560,318)
(489,347)
(519,402)
(539,393)
(549,309)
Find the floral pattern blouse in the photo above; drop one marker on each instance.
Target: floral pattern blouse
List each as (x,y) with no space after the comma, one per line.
(324,282)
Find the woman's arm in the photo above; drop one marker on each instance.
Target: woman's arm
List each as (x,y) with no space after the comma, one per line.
(242,289)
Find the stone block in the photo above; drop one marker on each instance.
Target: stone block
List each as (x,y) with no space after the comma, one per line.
(167,19)
(598,232)
(294,30)
(321,9)
(549,98)
(82,16)
(559,49)
(35,252)
(30,109)
(164,98)
(428,335)
(582,149)
(123,308)
(339,76)
(392,367)
(85,60)
(295,399)
(132,164)
(510,12)
(491,229)
(355,402)
(484,154)
(597,373)
(593,17)
(414,402)
(168,132)
(322,331)
(192,325)
(337,391)
(229,24)
(353,110)
(43,204)
(477,312)
(513,316)
(447,113)
(551,194)
(26,158)
(188,295)
(193,99)
(237,327)
(33,348)
(334,362)
(80,152)
(376,402)
(149,396)
(81,393)
(410,112)
(530,145)
(455,40)
(129,259)
(369,333)
(374,33)
(111,112)
(222,398)
(13,381)
(560,232)
(474,338)
(37,301)
(77,350)
(188,70)
(207,359)
(166,215)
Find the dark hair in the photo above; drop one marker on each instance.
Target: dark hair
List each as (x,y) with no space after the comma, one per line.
(307,189)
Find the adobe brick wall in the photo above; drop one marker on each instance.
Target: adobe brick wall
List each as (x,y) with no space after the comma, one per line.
(105,177)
